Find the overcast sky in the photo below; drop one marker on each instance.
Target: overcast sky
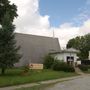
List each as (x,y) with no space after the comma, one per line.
(68,18)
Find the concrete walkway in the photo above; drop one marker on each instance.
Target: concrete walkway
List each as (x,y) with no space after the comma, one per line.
(78,71)
(42,82)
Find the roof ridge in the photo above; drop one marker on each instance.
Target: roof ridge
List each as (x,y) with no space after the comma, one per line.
(36,35)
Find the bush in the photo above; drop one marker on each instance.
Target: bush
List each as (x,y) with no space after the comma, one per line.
(62,66)
(57,65)
(69,68)
(88,66)
(83,67)
(48,61)
(26,69)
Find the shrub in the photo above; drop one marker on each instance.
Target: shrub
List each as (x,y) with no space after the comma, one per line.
(48,61)
(69,68)
(62,66)
(88,66)
(57,65)
(83,67)
(26,69)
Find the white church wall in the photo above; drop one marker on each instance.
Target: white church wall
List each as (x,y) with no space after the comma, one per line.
(59,56)
(63,56)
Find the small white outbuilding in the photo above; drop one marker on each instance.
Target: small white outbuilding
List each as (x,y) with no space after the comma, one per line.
(67,55)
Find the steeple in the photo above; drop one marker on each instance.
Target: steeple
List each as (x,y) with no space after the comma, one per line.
(53,34)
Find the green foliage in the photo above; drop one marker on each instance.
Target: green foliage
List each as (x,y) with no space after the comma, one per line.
(26,69)
(81,43)
(6,6)
(57,65)
(62,66)
(83,67)
(48,61)
(8,49)
(74,43)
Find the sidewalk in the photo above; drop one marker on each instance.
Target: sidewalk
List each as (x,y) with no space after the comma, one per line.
(78,71)
(39,83)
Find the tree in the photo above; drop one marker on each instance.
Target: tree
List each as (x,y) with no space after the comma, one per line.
(8,48)
(81,43)
(74,43)
(85,46)
(6,6)
(48,61)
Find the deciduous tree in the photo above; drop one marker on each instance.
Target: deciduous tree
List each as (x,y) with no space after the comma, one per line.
(81,43)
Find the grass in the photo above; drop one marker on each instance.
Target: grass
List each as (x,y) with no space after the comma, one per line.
(87,72)
(15,76)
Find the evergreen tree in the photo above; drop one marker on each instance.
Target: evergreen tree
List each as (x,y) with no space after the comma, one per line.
(6,6)
(8,48)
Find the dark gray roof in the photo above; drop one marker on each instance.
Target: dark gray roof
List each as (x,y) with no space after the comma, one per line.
(34,48)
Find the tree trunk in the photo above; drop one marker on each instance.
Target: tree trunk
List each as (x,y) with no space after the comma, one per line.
(3,71)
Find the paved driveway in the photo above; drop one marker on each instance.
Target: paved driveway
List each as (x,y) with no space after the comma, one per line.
(82,83)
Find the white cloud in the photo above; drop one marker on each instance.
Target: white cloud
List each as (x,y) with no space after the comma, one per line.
(85,28)
(29,17)
(30,21)
(64,33)
(67,31)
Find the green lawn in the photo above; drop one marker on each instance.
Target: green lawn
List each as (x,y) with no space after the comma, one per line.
(87,72)
(15,77)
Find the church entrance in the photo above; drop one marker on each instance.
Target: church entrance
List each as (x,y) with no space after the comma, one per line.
(70,60)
